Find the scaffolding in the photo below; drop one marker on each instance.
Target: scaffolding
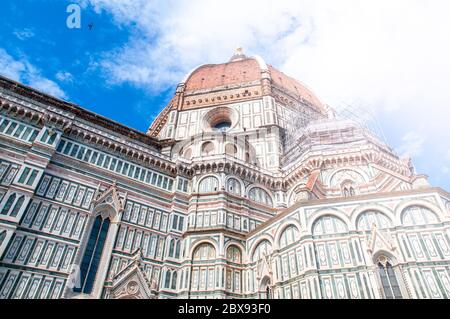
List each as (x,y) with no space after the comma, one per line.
(363,114)
(356,112)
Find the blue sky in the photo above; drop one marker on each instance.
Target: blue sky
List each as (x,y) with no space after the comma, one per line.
(391,56)
(35,33)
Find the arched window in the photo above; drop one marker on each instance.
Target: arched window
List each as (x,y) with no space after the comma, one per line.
(8,204)
(207,148)
(231,149)
(345,192)
(233,186)
(388,278)
(170,281)
(264,248)
(367,219)
(174,248)
(289,235)
(18,205)
(177,249)
(352,191)
(234,254)
(204,252)
(92,254)
(208,185)
(168,278)
(174,280)
(418,215)
(259,195)
(327,225)
(348,188)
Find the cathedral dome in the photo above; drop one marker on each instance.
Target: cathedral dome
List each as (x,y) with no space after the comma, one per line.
(242,70)
(241,80)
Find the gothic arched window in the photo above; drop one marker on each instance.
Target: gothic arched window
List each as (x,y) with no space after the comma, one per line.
(261,196)
(352,191)
(388,278)
(208,185)
(93,254)
(174,280)
(174,248)
(8,204)
(168,278)
(348,188)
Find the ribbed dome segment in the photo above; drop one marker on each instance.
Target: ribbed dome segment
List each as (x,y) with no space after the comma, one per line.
(291,85)
(240,80)
(217,75)
(242,71)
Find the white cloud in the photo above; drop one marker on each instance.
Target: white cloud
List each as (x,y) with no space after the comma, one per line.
(23,71)
(392,55)
(390,52)
(23,34)
(445,170)
(64,76)
(412,145)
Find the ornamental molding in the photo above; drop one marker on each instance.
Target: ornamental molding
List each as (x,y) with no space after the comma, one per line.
(110,196)
(380,241)
(132,281)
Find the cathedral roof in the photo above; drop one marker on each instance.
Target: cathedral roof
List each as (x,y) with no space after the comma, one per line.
(240,72)
(241,69)
(210,76)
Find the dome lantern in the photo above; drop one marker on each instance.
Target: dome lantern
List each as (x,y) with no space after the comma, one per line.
(238,55)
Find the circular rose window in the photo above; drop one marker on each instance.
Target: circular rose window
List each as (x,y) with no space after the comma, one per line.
(220,119)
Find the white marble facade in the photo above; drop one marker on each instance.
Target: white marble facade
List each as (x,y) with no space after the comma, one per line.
(230,200)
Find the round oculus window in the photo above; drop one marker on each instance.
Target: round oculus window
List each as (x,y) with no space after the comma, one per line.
(220,119)
(222,126)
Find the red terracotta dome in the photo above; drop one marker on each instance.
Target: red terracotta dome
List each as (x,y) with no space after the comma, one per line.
(216,75)
(238,80)
(242,70)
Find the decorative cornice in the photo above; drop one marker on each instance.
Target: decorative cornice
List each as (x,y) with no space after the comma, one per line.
(340,200)
(77,111)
